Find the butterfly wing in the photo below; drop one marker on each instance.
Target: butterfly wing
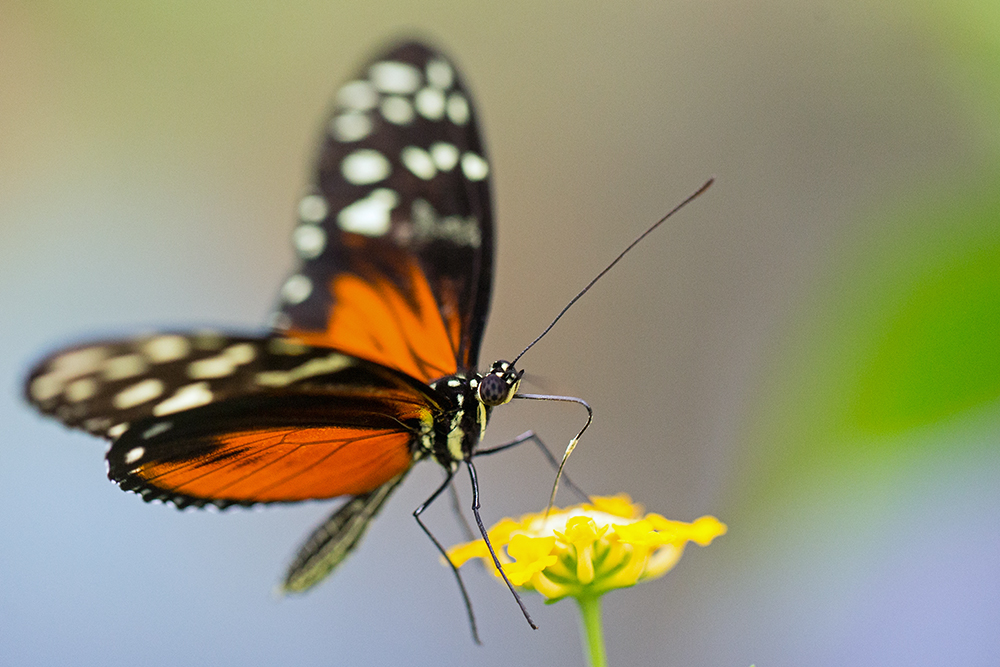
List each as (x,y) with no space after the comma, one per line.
(335,538)
(396,233)
(208,418)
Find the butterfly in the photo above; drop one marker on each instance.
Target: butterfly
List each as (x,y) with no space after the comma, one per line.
(370,362)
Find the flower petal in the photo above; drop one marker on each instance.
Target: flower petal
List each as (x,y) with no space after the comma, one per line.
(620,505)
(531,554)
(500,534)
(640,533)
(706,529)
(523,548)
(582,531)
(460,554)
(662,561)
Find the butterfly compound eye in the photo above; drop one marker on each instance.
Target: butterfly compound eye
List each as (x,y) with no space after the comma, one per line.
(493,390)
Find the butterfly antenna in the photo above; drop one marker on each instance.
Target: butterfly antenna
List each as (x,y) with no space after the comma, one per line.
(590,413)
(697,193)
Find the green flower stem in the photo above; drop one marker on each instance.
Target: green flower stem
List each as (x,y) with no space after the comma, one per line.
(590,618)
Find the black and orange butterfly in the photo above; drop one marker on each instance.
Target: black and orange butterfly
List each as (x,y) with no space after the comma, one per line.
(371,362)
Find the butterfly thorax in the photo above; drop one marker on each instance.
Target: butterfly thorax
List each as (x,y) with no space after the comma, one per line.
(467,401)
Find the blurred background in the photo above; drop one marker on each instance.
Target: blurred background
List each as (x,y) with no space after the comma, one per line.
(811,351)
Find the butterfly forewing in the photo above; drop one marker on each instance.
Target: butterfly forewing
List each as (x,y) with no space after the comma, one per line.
(103,387)
(212,418)
(396,235)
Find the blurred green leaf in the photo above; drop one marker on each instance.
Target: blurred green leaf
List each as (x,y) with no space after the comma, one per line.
(904,333)
(937,348)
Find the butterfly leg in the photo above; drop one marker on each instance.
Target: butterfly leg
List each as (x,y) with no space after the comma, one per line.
(531,435)
(571,399)
(486,538)
(456,507)
(458,577)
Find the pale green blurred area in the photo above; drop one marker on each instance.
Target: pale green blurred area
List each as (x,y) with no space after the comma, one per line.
(809,352)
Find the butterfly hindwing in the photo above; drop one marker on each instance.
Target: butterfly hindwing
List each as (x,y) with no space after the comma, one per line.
(332,541)
(265,449)
(396,235)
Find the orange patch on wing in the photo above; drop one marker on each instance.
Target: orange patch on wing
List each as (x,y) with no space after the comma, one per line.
(282,464)
(380,322)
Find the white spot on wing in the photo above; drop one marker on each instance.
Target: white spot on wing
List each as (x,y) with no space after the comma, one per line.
(398,110)
(117,430)
(395,77)
(137,394)
(241,353)
(81,390)
(365,166)
(187,397)
(425,218)
(223,364)
(418,161)
(79,362)
(474,167)
(134,454)
(428,224)
(351,126)
(430,103)
(319,366)
(358,95)
(440,74)
(313,208)
(155,430)
(124,366)
(48,386)
(445,155)
(458,109)
(309,241)
(296,289)
(213,367)
(166,348)
(369,216)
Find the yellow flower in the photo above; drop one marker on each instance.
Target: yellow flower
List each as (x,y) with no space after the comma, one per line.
(586,550)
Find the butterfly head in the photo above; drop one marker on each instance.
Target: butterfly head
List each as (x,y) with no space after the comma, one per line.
(500,384)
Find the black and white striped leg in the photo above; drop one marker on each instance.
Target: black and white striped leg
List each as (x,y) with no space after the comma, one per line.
(531,435)
(486,538)
(458,577)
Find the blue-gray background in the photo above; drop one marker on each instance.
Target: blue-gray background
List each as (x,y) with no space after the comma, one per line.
(151,155)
